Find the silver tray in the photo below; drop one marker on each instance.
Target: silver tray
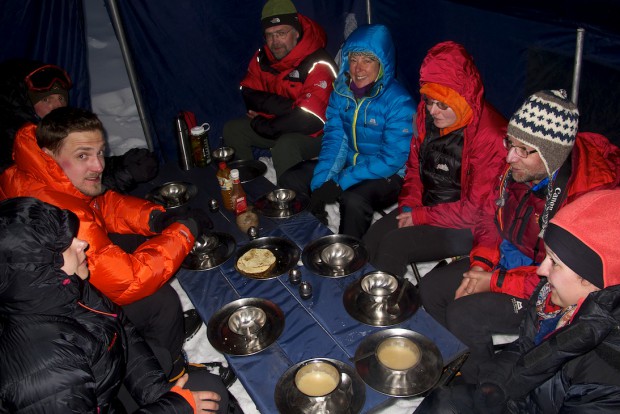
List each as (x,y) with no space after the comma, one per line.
(285,251)
(248,169)
(348,397)
(212,258)
(407,383)
(165,194)
(362,306)
(225,340)
(268,209)
(348,253)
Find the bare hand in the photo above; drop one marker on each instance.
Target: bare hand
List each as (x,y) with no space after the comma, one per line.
(404,219)
(251,114)
(205,400)
(475,280)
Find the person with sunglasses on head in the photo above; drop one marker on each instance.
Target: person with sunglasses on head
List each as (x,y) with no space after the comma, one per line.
(64,347)
(29,90)
(285,90)
(549,164)
(453,164)
(567,356)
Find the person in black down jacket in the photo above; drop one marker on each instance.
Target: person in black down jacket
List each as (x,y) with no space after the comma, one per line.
(64,347)
(567,356)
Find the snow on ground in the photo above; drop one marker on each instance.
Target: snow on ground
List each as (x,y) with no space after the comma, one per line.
(113,101)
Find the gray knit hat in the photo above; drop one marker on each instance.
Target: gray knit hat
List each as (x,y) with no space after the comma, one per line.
(547,121)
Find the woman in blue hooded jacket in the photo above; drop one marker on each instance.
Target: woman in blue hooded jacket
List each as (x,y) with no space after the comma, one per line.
(366,137)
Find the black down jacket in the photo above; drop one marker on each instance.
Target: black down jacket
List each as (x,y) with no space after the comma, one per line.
(574,370)
(64,347)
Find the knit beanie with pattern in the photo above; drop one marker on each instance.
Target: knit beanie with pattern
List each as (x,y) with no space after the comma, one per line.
(277,12)
(547,121)
(584,235)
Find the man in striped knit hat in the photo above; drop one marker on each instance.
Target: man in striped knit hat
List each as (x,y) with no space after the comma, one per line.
(549,165)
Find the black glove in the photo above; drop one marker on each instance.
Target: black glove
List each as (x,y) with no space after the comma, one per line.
(159,220)
(191,224)
(141,164)
(328,192)
(202,219)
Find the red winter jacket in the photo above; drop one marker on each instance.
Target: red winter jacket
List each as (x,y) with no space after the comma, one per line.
(595,166)
(302,79)
(122,277)
(483,159)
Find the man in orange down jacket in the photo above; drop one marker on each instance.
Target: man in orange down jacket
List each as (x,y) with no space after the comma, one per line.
(61,162)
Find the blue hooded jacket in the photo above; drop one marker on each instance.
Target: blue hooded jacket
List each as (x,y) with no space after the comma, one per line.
(369,138)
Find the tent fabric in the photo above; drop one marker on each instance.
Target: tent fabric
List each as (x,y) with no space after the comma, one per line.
(520,47)
(50,31)
(191,54)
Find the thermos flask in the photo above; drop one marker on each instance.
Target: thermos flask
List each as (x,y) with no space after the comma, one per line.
(185,149)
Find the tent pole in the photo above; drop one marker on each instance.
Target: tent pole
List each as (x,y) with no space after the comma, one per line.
(133,80)
(577,68)
(368,12)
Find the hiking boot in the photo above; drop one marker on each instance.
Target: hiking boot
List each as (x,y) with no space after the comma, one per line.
(217,368)
(191,323)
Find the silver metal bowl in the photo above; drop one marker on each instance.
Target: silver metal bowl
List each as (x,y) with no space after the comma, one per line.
(247,320)
(281,198)
(418,378)
(336,255)
(317,378)
(348,397)
(205,244)
(398,353)
(172,194)
(223,154)
(379,284)
(175,194)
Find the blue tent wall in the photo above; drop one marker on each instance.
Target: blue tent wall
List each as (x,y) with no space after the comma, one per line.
(51,31)
(192,54)
(520,48)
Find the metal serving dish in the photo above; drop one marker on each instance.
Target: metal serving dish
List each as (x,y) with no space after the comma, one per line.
(373,299)
(348,397)
(210,251)
(285,251)
(172,194)
(390,347)
(245,326)
(248,169)
(336,255)
(279,204)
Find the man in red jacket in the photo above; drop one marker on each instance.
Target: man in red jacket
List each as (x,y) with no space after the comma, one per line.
(549,165)
(286,90)
(61,162)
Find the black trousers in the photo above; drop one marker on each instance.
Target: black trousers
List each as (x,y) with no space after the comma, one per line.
(473,319)
(391,248)
(357,203)
(158,317)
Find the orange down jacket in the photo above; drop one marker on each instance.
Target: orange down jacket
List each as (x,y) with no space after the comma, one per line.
(123,277)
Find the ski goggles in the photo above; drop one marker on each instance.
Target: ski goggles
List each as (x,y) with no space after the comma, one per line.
(43,78)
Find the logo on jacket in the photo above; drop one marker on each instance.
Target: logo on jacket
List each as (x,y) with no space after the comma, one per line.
(373,122)
(294,74)
(322,84)
(442,167)
(517,305)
